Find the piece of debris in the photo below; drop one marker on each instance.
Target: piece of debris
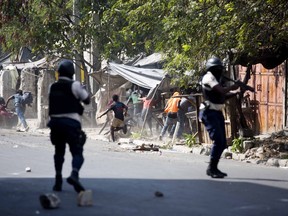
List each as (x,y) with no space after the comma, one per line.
(158,194)
(28,169)
(49,201)
(146,147)
(85,198)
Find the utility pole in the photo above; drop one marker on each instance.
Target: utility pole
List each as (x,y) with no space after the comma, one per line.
(76,15)
(96,59)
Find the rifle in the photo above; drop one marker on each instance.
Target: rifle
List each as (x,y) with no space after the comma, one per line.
(241,84)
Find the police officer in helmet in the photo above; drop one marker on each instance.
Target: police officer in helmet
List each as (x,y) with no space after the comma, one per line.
(215,94)
(65,110)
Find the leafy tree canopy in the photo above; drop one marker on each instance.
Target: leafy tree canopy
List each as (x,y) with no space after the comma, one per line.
(187,32)
(50,27)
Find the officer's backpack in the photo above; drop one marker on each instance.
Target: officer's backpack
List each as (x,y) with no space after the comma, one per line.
(27,98)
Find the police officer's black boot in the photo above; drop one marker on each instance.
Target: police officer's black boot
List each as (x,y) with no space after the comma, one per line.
(213,171)
(73,179)
(58,183)
(222,173)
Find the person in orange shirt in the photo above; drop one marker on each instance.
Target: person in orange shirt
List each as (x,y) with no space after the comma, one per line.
(171,110)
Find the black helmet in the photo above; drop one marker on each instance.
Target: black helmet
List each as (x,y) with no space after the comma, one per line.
(212,62)
(66,68)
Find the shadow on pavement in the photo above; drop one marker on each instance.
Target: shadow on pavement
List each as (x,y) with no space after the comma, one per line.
(19,197)
(260,179)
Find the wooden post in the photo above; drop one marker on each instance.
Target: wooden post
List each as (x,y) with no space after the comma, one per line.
(154,93)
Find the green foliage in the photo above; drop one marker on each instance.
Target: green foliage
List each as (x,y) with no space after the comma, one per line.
(135,135)
(186,32)
(237,145)
(190,139)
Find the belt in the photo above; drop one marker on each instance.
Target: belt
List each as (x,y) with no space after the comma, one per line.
(209,105)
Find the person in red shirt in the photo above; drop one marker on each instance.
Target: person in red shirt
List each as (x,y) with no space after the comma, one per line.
(147,111)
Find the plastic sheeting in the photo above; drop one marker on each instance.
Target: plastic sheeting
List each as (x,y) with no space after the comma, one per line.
(118,74)
(146,78)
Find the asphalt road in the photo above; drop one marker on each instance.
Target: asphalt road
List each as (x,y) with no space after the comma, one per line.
(124,182)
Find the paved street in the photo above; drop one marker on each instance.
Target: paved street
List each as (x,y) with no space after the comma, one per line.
(124,182)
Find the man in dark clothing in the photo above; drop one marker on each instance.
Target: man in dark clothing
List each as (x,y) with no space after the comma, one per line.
(186,104)
(65,110)
(120,110)
(211,114)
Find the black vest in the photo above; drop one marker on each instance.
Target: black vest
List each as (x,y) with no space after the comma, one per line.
(62,100)
(213,96)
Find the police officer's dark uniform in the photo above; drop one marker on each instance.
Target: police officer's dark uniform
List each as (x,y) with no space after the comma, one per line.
(211,112)
(65,112)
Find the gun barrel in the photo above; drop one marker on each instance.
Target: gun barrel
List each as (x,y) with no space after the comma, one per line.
(241,84)
(249,88)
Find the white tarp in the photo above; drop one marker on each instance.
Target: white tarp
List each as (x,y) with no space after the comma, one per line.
(146,78)
(21,66)
(152,61)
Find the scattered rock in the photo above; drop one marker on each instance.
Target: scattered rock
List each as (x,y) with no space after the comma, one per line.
(158,194)
(85,198)
(264,149)
(49,201)
(273,162)
(248,144)
(145,147)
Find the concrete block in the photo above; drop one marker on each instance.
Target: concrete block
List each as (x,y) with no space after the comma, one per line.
(247,144)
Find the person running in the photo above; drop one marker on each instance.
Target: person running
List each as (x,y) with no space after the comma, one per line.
(19,108)
(120,110)
(65,111)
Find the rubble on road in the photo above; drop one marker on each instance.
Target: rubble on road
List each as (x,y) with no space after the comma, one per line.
(146,147)
(269,150)
(137,145)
